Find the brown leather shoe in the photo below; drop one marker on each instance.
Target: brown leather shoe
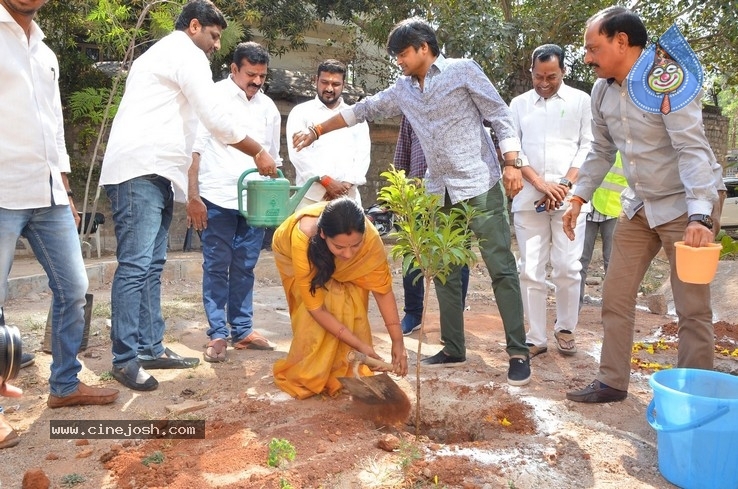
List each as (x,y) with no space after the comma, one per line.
(534,351)
(9,436)
(83,396)
(597,392)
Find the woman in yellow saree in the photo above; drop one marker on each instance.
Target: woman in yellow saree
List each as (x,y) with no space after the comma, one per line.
(329,260)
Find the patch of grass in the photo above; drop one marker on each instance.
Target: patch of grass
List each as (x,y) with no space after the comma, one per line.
(183,307)
(409,453)
(101,310)
(34,325)
(155,458)
(280,452)
(106,376)
(284,484)
(70,480)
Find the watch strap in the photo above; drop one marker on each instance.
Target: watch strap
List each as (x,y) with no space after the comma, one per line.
(704,219)
(565,182)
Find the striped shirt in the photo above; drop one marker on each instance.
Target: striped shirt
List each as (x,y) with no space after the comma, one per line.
(408,152)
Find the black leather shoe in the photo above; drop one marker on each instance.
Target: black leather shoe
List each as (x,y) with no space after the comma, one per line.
(134,377)
(597,392)
(441,359)
(171,360)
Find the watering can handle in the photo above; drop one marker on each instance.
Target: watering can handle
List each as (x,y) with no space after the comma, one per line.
(358,357)
(721,411)
(252,170)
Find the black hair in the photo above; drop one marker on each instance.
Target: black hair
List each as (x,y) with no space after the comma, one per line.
(545,53)
(412,32)
(332,66)
(619,19)
(340,216)
(204,11)
(252,52)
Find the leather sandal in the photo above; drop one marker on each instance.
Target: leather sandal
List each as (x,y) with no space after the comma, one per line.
(254,341)
(565,342)
(215,352)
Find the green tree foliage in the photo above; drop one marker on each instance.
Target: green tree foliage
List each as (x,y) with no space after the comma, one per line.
(500,36)
(65,27)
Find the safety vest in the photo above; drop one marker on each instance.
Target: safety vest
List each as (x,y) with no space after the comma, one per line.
(606,199)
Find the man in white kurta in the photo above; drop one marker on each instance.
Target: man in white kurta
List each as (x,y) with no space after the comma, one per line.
(554,126)
(230,245)
(339,159)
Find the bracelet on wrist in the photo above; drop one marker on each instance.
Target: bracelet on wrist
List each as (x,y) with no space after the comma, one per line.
(70,193)
(259,153)
(326,180)
(576,198)
(316,132)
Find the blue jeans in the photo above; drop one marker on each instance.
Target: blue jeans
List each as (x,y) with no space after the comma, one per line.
(230,250)
(414,292)
(142,212)
(52,234)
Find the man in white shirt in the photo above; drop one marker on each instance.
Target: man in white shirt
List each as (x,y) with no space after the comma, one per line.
(554,125)
(35,200)
(341,159)
(145,168)
(230,246)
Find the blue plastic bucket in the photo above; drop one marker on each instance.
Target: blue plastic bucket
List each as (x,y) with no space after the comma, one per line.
(695,415)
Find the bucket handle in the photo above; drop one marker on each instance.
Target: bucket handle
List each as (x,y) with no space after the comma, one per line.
(721,411)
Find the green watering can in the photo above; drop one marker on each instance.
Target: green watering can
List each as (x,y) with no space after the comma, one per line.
(268,202)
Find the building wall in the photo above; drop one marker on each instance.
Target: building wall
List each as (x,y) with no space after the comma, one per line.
(332,39)
(716,129)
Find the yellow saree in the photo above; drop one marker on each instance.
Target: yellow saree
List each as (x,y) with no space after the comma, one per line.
(316,358)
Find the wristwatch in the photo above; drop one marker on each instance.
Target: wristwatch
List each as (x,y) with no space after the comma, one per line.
(517,163)
(565,182)
(703,219)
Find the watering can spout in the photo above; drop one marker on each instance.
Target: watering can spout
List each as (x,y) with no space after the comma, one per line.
(268,201)
(300,192)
